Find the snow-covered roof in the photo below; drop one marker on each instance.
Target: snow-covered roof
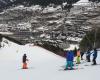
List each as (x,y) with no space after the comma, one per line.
(72,47)
(82,2)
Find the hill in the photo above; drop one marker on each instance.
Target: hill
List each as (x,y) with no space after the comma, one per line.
(42,65)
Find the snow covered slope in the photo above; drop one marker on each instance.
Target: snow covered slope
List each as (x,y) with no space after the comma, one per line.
(43,65)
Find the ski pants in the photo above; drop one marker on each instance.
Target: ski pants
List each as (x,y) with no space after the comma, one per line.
(69,64)
(94,61)
(88,58)
(25,65)
(82,56)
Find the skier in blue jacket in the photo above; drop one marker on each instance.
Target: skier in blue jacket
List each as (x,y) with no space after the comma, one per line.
(69,58)
(94,56)
(88,54)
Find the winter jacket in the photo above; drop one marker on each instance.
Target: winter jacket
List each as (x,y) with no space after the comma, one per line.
(88,53)
(70,56)
(95,54)
(24,59)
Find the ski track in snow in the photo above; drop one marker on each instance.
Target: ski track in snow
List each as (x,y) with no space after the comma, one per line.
(43,65)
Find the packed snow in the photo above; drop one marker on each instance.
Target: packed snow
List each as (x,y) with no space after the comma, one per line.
(43,64)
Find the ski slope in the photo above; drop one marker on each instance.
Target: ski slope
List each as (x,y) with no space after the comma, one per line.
(43,65)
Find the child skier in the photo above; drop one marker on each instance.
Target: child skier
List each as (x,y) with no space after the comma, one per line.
(24,62)
(69,59)
(78,57)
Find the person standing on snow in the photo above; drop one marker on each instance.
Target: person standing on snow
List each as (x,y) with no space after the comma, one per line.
(25,62)
(94,57)
(82,53)
(88,54)
(69,59)
(78,57)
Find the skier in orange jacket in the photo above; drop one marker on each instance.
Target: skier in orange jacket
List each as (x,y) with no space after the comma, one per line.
(78,57)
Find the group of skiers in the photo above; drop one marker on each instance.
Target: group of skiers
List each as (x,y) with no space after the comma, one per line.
(88,54)
(79,56)
(70,58)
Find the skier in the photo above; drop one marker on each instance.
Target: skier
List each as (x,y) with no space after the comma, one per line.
(78,57)
(75,51)
(82,53)
(24,62)
(88,54)
(69,59)
(94,57)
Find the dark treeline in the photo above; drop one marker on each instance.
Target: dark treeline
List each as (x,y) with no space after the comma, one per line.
(43,3)
(91,40)
(95,0)
(46,2)
(8,3)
